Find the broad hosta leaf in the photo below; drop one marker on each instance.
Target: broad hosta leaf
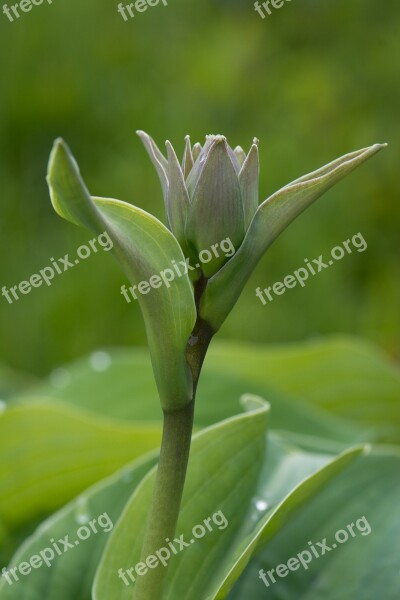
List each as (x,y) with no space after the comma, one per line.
(126,376)
(271,218)
(70,575)
(365,567)
(327,387)
(345,376)
(224,466)
(51,453)
(144,247)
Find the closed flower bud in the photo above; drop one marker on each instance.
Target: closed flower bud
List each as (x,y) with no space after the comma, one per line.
(209,197)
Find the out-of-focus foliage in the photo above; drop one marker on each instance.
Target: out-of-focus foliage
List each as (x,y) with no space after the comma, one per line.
(260,478)
(312,81)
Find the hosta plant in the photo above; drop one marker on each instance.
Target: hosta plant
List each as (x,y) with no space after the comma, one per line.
(267,488)
(210,196)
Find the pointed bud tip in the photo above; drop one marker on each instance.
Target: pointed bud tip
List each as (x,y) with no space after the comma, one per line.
(375,148)
(142,134)
(59,142)
(170,148)
(59,145)
(216,138)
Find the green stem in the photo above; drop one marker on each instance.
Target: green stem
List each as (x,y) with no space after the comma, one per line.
(171,474)
(167,496)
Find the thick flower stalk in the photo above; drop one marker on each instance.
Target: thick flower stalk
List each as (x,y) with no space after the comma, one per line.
(210,196)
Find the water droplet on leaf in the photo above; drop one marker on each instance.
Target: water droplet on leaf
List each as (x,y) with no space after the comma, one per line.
(261,505)
(100,361)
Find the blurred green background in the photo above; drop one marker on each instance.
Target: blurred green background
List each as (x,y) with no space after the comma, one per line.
(313,81)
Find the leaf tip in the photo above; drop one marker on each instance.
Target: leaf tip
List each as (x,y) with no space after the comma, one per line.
(252,402)
(60,156)
(378,147)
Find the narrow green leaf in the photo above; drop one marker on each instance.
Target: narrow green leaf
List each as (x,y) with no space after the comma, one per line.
(144,248)
(271,218)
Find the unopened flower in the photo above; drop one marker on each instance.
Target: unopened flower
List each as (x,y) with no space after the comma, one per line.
(210,196)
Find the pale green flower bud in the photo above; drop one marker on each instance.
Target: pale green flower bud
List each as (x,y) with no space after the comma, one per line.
(211,196)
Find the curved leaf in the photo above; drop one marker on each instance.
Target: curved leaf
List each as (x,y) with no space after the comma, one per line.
(144,248)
